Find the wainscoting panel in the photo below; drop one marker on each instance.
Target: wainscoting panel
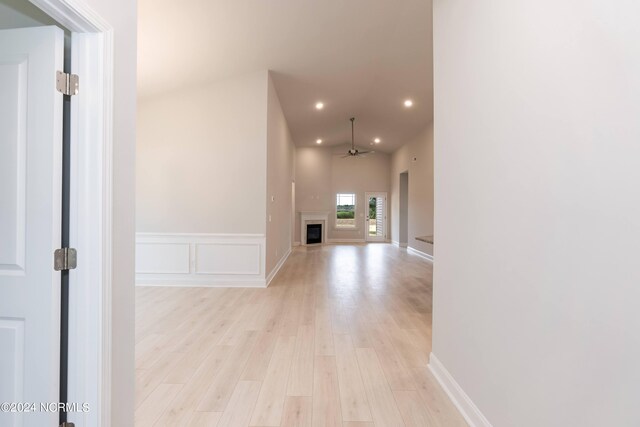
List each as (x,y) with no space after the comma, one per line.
(165,258)
(228,258)
(218,260)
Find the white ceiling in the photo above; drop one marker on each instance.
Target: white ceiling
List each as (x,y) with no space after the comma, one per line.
(361,58)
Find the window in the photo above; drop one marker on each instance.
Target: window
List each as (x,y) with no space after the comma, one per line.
(346,211)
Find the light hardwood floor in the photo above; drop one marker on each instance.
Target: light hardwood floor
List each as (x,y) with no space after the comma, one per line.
(340,338)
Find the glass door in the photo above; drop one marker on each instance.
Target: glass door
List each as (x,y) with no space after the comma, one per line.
(376,217)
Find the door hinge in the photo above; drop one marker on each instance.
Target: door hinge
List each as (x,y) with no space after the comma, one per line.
(65,259)
(67,424)
(67,84)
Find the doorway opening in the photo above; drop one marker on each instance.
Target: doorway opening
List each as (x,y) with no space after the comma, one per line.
(403,211)
(56,198)
(293,213)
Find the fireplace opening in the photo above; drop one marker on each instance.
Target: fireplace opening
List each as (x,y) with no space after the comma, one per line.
(314,233)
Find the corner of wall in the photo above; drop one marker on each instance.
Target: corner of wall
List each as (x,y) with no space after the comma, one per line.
(468,409)
(279,174)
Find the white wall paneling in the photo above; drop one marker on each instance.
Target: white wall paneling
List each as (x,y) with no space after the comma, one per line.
(197,259)
(228,258)
(163,258)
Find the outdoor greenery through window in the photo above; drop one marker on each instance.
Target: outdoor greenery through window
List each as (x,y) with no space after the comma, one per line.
(373,211)
(346,210)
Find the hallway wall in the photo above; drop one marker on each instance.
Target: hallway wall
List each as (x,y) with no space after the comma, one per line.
(536,210)
(416,157)
(280,174)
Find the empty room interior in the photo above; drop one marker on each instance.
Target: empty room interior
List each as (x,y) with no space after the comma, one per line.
(340,213)
(284,215)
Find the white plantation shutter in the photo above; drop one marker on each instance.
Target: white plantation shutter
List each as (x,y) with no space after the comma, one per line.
(380,210)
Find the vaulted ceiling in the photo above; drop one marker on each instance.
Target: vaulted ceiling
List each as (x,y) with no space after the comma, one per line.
(361,58)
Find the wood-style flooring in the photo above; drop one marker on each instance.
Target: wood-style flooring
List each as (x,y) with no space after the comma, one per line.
(341,337)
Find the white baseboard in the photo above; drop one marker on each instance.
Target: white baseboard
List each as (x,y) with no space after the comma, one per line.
(296,244)
(420,253)
(337,241)
(205,282)
(197,259)
(398,244)
(465,405)
(277,268)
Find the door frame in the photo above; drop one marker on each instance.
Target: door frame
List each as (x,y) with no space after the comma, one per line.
(90,208)
(403,210)
(368,194)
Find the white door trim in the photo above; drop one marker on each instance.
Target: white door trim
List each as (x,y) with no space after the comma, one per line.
(368,194)
(91,208)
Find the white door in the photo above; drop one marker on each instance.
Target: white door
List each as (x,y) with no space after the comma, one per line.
(30,220)
(376,217)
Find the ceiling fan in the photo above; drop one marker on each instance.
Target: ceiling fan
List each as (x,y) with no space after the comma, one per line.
(354,152)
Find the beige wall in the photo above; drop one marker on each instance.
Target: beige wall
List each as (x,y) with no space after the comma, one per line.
(537,108)
(321,173)
(217,159)
(415,157)
(280,175)
(201,164)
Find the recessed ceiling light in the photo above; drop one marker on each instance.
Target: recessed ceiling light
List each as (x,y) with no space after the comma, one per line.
(377,140)
(319,105)
(318,141)
(408,103)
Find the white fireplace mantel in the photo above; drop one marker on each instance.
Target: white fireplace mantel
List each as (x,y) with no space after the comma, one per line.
(313,217)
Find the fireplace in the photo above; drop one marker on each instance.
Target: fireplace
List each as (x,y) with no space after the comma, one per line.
(314,233)
(318,221)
